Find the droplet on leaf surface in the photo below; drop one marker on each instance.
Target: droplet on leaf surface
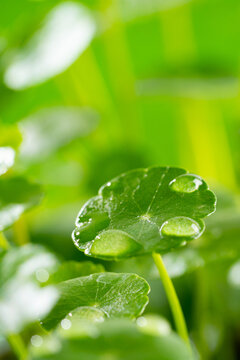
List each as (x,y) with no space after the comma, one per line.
(186,183)
(180,226)
(113,244)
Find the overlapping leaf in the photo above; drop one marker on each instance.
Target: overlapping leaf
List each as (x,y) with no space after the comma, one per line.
(116,340)
(114,295)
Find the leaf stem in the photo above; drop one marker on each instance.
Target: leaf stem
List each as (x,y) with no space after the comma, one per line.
(18,346)
(172,298)
(3,242)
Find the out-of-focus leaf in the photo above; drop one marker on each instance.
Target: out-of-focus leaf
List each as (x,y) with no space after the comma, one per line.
(116,340)
(198,88)
(7,156)
(50,129)
(134,9)
(67,31)
(17,195)
(115,295)
(142,211)
(10,136)
(73,269)
(23,298)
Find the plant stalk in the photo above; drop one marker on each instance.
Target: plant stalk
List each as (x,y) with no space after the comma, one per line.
(172,298)
(18,346)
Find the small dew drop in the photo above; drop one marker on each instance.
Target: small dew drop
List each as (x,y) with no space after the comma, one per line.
(36,340)
(66,324)
(186,183)
(42,275)
(180,226)
(141,321)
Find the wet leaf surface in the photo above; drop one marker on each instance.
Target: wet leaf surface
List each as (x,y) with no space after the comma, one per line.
(142,211)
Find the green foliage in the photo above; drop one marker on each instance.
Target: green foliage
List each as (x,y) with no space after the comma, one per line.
(23,296)
(115,295)
(142,211)
(73,269)
(89,90)
(105,339)
(17,195)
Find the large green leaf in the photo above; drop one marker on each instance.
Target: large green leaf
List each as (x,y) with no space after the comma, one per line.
(114,295)
(115,340)
(23,296)
(141,211)
(16,196)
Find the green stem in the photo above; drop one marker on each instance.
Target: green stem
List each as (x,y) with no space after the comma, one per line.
(172,298)
(3,242)
(18,346)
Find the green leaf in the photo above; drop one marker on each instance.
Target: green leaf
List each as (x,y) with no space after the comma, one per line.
(142,211)
(73,269)
(115,295)
(23,296)
(17,195)
(115,340)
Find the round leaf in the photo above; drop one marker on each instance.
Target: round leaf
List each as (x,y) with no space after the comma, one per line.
(142,211)
(115,295)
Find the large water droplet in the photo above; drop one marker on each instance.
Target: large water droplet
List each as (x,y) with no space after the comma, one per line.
(88,227)
(186,183)
(112,244)
(180,226)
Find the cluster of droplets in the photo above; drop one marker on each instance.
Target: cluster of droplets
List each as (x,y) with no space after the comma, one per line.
(182,226)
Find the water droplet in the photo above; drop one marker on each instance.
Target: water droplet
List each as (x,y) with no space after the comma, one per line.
(66,324)
(113,244)
(180,226)
(88,227)
(36,340)
(154,325)
(186,183)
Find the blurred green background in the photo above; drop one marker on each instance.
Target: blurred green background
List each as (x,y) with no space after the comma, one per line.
(93,88)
